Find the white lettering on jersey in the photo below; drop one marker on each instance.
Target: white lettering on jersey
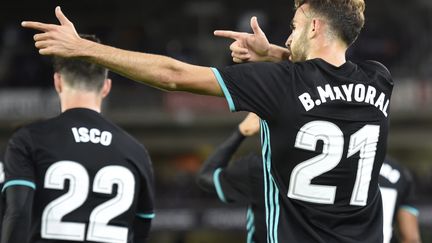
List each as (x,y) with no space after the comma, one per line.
(350,93)
(389,173)
(94,135)
(2,173)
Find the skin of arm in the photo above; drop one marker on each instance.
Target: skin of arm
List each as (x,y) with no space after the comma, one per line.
(408,227)
(16,221)
(154,70)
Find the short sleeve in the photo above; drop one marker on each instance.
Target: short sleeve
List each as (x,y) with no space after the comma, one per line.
(255,87)
(233,183)
(145,209)
(19,166)
(408,194)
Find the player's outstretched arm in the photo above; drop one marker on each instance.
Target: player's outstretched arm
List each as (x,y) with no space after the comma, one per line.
(155,70)
(141,229)
(17,217)
(222,155)
(408,227)
(253,47)
(218,160)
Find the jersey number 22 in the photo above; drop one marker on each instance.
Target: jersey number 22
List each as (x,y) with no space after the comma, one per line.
(52,226)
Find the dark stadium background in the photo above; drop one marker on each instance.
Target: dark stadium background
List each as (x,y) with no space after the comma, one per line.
(180,130)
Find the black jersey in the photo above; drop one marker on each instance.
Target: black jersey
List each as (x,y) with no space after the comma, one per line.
(324,138)
(397,190)
(238,181)
(242,181)
(91,178)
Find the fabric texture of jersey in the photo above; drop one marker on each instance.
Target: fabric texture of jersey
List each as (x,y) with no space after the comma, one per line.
(242,182)
(397,190)
(324,138)
(91,178)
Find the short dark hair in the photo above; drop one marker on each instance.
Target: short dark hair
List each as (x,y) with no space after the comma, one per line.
(80,74)
(346,17)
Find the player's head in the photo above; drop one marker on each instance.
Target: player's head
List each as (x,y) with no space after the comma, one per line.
(81,76)
(329,20)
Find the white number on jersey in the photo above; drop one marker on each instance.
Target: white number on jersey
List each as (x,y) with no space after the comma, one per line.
(2,173)
(389,196)
(364,141)
(52,226)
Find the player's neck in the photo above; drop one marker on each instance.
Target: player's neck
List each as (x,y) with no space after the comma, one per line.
(333,53)
(86,100)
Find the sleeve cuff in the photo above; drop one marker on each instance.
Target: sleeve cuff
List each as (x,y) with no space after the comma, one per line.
(412,210)
(146,215)
(19,183)
(224,89)
(218,186)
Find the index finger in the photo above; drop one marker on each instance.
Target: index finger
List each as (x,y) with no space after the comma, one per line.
(228,34)
(38,26)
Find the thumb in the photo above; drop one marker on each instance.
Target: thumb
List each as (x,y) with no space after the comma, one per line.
(255,26)
(61,17)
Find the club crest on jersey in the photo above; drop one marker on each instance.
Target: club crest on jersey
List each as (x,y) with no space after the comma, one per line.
(93,135)
(359,93)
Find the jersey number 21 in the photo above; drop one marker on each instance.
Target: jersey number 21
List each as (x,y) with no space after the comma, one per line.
(364,141)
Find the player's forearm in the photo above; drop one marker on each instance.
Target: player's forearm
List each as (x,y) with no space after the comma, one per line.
(141,230)
(16,220)
(15,228)
(155,70)
(410,240)
(219,159)
(408,226)
(277,53)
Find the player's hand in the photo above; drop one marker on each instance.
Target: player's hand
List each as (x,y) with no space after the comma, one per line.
(60,40)
(247,47)
(250,125)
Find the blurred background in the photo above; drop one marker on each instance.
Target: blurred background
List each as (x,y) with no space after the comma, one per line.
(180,130)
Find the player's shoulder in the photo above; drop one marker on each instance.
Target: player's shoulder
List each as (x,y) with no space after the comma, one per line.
(124,136)
(129,143)
(266,66)
(24,132)
(372,68)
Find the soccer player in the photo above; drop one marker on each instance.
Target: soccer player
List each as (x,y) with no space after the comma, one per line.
(324,118)
(397,190)
(77,177)
(239,181)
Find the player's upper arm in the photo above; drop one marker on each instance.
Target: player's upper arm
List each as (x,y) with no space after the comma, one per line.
(145,208)
(256,87)
(234,181)
(19,168)
(382,70)
(197,79)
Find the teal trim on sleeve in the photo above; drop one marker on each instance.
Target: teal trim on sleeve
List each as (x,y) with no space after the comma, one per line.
(250,226)
(19,183)
(218,186)
(412,210)
(224,89)
(146,215)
